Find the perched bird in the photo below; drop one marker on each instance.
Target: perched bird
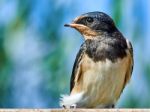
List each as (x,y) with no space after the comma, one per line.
(103,65)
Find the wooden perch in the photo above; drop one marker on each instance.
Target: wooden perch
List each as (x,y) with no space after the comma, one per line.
(74,110)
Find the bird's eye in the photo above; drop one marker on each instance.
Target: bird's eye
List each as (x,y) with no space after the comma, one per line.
(89,20)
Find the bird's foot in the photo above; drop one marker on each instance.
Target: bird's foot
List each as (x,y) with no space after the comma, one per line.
(110,106)
(64,107)
(74,106)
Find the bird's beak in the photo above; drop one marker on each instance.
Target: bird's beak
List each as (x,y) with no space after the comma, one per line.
(78,27)
(72,25)
(81,28)
(67,25)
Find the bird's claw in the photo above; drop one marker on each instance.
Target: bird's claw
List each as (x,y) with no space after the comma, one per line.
(73,106)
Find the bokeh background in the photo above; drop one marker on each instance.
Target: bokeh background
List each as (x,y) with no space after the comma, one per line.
(37,52)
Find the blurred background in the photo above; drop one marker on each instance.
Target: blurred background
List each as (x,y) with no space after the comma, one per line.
(37,52)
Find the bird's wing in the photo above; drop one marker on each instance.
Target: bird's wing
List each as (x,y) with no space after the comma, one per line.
(130,63)
(76,72)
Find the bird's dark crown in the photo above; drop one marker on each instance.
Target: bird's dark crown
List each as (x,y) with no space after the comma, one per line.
(97,21)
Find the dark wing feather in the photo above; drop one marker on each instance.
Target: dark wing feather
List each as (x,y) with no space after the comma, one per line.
(130,65)
(129,73)
(131,52)
(76,65)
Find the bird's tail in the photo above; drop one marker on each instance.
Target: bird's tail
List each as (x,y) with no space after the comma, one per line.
(70,100)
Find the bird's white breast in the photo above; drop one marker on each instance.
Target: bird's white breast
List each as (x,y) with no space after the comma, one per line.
(103,80)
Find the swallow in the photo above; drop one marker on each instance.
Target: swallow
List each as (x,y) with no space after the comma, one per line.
(103,65)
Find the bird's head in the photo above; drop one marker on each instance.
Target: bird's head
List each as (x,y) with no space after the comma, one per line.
(93,24)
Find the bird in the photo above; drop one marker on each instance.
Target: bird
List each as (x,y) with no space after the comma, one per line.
(103,65)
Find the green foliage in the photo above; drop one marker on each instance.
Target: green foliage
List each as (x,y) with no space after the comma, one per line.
(117,11)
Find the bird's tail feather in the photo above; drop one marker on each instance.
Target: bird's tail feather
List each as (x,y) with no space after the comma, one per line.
(69,100)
